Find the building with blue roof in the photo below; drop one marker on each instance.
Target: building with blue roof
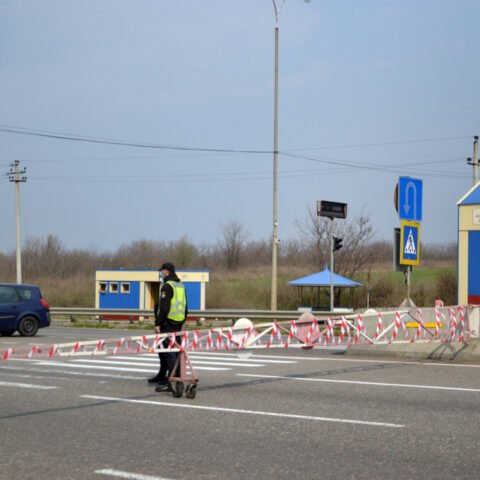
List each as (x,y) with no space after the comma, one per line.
(124,288)
(468,290)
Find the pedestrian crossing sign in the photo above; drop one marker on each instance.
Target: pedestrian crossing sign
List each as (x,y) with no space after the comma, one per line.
(409,243)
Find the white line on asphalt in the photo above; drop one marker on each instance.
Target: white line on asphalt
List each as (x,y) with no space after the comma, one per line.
(99,367)
(246,412)
(357,360)
(17,375)
(194,362)
(144,357)
(26,385)
(239,360)
(82,374)
(355,382)
(219,356)
(131,476)
(11,359)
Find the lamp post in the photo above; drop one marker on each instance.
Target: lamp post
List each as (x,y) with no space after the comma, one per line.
(277,6)
(277,9)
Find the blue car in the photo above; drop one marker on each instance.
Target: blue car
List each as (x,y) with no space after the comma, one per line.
(22,309)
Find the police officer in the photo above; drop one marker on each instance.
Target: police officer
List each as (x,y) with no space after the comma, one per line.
(170,314)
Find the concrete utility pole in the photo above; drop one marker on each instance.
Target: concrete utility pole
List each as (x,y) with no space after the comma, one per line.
(14,176)
(332,266)
(474,161)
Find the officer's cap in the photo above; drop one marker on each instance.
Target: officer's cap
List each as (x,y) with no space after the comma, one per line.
(168,266)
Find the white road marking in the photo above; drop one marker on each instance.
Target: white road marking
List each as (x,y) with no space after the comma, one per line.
(26,385)
(18,375)
(100,367)
(128,475)
(356,382)
(239,360)
(245,412)
(82,374)
(217,356)
(11,359)
(194,362)
(358,360)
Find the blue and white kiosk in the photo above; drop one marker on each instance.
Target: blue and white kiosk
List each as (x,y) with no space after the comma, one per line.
(138,289)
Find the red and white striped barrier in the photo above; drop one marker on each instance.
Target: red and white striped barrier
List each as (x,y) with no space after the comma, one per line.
(304,332)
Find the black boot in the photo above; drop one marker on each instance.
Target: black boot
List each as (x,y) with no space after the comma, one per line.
(156,379)
(163,387)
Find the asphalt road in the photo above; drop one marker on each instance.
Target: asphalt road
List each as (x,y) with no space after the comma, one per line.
(279,414)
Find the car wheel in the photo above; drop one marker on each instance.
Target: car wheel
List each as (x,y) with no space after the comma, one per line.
(28,326)
(7,333)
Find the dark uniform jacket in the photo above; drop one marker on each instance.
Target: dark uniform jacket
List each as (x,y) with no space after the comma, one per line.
(162,308)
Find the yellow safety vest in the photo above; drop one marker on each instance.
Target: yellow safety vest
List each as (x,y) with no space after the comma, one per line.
(178,304)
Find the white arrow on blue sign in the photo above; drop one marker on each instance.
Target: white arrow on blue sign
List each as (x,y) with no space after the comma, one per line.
(410,192)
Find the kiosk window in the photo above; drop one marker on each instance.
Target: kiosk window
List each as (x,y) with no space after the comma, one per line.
(103,287)
(125,287)
(113,287)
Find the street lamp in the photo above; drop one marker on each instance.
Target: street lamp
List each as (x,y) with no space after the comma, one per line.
(277,6)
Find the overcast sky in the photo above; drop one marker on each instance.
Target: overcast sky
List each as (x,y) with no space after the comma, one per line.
(369,90)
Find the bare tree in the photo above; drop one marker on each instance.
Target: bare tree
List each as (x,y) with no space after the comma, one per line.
(257,253)
(357,235)
(139,254)
(314,232)
(44,256)
(355,256)
(232,244)
(183,253)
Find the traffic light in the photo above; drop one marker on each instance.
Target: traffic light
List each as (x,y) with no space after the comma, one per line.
(337,243)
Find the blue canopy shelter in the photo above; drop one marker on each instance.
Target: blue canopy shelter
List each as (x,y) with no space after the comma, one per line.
(319,280)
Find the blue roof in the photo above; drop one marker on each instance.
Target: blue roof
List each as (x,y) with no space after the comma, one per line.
(322,279)
(472,197)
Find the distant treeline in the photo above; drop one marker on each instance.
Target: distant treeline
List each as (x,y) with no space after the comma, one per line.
(49,257)
(240,269)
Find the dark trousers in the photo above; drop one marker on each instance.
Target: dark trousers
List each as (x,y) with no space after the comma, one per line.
(168,359)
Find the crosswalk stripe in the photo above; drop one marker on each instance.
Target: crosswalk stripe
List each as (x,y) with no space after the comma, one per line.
(225,356)
(82,374)
(26,385)
(194,362)
(239,360)
(101,367)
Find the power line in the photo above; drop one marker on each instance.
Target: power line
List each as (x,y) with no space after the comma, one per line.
(342,164)
(80,138)
(222,177)
(5,128)
(370,166)
(383,144)
(139,157)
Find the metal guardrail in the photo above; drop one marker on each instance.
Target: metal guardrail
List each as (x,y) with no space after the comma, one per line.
(102,314)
